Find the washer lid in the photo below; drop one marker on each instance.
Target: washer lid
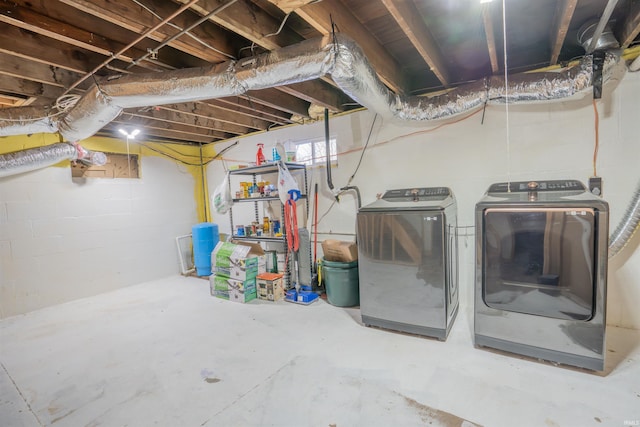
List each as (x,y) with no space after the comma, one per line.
(413,198)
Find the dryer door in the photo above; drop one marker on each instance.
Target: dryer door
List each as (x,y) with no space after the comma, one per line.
(540,261)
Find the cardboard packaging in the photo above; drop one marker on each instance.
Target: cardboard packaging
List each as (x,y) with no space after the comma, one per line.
(340,251)
(232,290)
(238,260)
(270,286)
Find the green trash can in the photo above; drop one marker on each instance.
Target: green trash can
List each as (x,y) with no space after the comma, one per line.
(341,283)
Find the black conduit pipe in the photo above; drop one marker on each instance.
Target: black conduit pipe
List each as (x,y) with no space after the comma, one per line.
(328,147)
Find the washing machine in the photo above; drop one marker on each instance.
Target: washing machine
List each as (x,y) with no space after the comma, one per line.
(408,261)
(541,271)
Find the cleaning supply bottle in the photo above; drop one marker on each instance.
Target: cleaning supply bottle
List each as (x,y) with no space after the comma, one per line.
(260,159)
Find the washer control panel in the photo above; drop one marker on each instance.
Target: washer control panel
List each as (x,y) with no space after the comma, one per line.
(527,186)
(417,194)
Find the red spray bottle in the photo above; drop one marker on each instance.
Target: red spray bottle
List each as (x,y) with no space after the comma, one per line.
(260,159)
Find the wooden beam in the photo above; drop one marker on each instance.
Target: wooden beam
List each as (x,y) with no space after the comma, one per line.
(318,15)
(36,47)
(408,17)
(10,84)
(564,13)
(134,18)
(251,22)
(276,99)
(489,33)
(288,6)
(248,108)
(630,27)
(206,110)
(27,19)
(319,93)
(155,133)
(181,131)
(169,116)
(13,66)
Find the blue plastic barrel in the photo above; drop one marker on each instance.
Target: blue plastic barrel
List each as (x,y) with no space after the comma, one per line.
(205,236)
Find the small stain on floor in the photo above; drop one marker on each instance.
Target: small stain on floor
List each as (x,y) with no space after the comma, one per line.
(212,380)
(597,419)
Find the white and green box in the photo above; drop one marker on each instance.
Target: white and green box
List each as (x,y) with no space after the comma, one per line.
(236,260)
(233,290)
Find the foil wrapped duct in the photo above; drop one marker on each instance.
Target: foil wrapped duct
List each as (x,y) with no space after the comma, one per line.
(337,56)
(628,225)
(26,121)
(41,157)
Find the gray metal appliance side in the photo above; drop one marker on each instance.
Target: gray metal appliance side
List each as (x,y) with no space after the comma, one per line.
(451,255)
(556,336)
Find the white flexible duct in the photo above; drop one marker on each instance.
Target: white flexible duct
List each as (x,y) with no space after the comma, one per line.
(339,57)
(41,157)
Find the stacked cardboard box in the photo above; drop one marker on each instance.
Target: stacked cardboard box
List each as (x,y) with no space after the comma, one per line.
(235,266)
(270,286)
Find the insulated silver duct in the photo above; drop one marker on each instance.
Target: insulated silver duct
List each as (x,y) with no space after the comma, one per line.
(41,157)
(339,57)
(627,226)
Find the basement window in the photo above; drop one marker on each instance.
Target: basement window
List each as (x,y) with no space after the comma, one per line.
(314,153)
(117,166)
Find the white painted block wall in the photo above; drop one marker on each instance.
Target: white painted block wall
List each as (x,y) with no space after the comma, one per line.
(62,240)
(548,140)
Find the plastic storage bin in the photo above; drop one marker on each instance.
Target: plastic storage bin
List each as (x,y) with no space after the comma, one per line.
(205,236)
(341,283)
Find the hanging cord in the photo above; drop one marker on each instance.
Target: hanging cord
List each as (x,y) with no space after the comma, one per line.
(597,143)
(506,91)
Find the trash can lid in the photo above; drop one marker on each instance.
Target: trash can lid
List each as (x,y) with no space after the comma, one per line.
(338,264)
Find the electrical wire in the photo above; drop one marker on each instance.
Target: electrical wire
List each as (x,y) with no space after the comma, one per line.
(506,91)
(187,33)
(597,142)
(363,150)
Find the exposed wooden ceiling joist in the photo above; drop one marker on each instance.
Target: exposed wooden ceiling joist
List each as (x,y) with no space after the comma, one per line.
(47,46)
(408,17)
(134,18)
(188,131)
(42,49)
(319,15)
(27,19)
(489,33)
(36,71)
(206,110)
(564,13)
(261,29)
(630,28)
(205,123)
(10,84)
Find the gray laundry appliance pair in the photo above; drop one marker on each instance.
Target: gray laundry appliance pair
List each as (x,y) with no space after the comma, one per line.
(541,267)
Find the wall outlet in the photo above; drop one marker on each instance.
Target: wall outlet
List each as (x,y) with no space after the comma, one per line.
(595,185)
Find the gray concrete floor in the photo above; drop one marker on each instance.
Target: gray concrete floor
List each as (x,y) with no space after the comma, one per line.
(166,353)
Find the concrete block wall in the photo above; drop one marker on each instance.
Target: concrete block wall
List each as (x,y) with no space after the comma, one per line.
(64,239)
(547,140)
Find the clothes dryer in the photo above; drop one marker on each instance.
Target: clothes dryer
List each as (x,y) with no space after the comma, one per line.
(541,271)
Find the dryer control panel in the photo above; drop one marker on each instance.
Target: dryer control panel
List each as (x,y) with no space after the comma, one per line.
(417,194)
(526,186)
